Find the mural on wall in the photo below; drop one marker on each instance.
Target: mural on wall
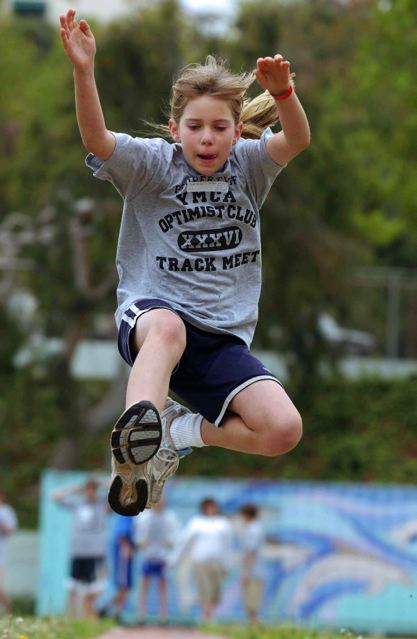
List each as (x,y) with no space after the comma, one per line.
(338,555)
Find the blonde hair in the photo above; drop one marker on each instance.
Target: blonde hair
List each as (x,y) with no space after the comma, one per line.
(214,78)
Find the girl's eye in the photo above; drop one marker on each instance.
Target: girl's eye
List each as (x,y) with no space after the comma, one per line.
(196,127)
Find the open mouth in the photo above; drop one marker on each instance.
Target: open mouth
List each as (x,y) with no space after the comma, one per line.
(207,157)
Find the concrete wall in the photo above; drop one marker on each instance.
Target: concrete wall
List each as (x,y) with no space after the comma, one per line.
(22,563)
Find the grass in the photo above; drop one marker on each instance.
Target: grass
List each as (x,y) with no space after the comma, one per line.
(288,632)
(51,628)
(64,628)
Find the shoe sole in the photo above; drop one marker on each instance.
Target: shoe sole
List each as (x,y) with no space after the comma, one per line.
(135,507)
(137,434)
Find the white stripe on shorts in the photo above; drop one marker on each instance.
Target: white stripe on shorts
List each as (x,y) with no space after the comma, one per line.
(137,311)
(129,320)
(237,390)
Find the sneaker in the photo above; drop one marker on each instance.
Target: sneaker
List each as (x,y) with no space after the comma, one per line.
(135,439)
(166,460)
(137,434)
(128,494)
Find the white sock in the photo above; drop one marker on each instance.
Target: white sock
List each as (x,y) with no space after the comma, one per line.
(186,431)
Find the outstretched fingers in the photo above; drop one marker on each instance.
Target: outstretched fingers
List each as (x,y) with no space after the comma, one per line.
(68,22)
(71,20)
(269,64)
(64,28)
(64,32)
(85,28)
(273,74)
(284,65)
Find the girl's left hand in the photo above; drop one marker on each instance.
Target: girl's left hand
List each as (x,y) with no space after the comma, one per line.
(273,74)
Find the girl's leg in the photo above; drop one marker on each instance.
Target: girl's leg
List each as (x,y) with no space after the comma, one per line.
(72,602)
(120,599)
(143,598)
(160,340)
(163,599)
(90,611)
(208,610)
(4,599)
(266,422)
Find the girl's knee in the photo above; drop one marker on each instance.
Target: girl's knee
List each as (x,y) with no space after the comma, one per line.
(279,437)
(167,328)
(171,330)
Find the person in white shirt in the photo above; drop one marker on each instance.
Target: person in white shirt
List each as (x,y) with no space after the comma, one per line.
(252,538)
(155,534)
(8,524)
(208,541)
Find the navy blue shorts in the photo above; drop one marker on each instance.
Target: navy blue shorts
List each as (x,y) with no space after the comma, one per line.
(153,568)
(214,367)
(85,569)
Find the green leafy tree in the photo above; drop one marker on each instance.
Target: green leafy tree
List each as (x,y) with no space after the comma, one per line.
(384,109)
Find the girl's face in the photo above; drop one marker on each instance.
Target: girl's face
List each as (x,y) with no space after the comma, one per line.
(206,132)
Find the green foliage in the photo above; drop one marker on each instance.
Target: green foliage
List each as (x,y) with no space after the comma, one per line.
(23,605)
(383,108)
(51,628)
(38,409)
(29,408)
(258,32)
(134,72)
(363,431)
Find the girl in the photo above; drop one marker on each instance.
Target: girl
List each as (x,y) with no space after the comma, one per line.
(189,263)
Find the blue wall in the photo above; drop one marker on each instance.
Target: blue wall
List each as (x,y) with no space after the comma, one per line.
(338,555)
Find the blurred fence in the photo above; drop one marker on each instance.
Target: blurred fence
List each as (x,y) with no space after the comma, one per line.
(385,301)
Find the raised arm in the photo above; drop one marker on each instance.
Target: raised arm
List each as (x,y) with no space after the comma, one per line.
(273,74)
(60,494)
(79,45)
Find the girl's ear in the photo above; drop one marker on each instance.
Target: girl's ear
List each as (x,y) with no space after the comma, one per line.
(173,127)
(238,132)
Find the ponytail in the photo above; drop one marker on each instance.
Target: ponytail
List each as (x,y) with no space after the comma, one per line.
(258,114)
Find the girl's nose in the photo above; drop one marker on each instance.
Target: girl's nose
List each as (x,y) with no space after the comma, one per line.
(207,136)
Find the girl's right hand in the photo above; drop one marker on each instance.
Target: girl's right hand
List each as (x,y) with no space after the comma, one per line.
(78,41)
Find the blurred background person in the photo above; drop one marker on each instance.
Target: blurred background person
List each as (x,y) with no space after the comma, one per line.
(251,540)
(8,525)
(88,544)
(122,553)
(155,533)
(207,540)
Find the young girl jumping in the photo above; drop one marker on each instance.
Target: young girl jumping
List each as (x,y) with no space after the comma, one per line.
(189,264)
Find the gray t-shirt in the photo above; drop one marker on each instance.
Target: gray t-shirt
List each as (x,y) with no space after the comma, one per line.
(190,240)
(89,528)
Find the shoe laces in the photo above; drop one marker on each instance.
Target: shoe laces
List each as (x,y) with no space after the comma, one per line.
(165,463)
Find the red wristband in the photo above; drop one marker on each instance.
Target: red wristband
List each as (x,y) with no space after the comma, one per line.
(285,95)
